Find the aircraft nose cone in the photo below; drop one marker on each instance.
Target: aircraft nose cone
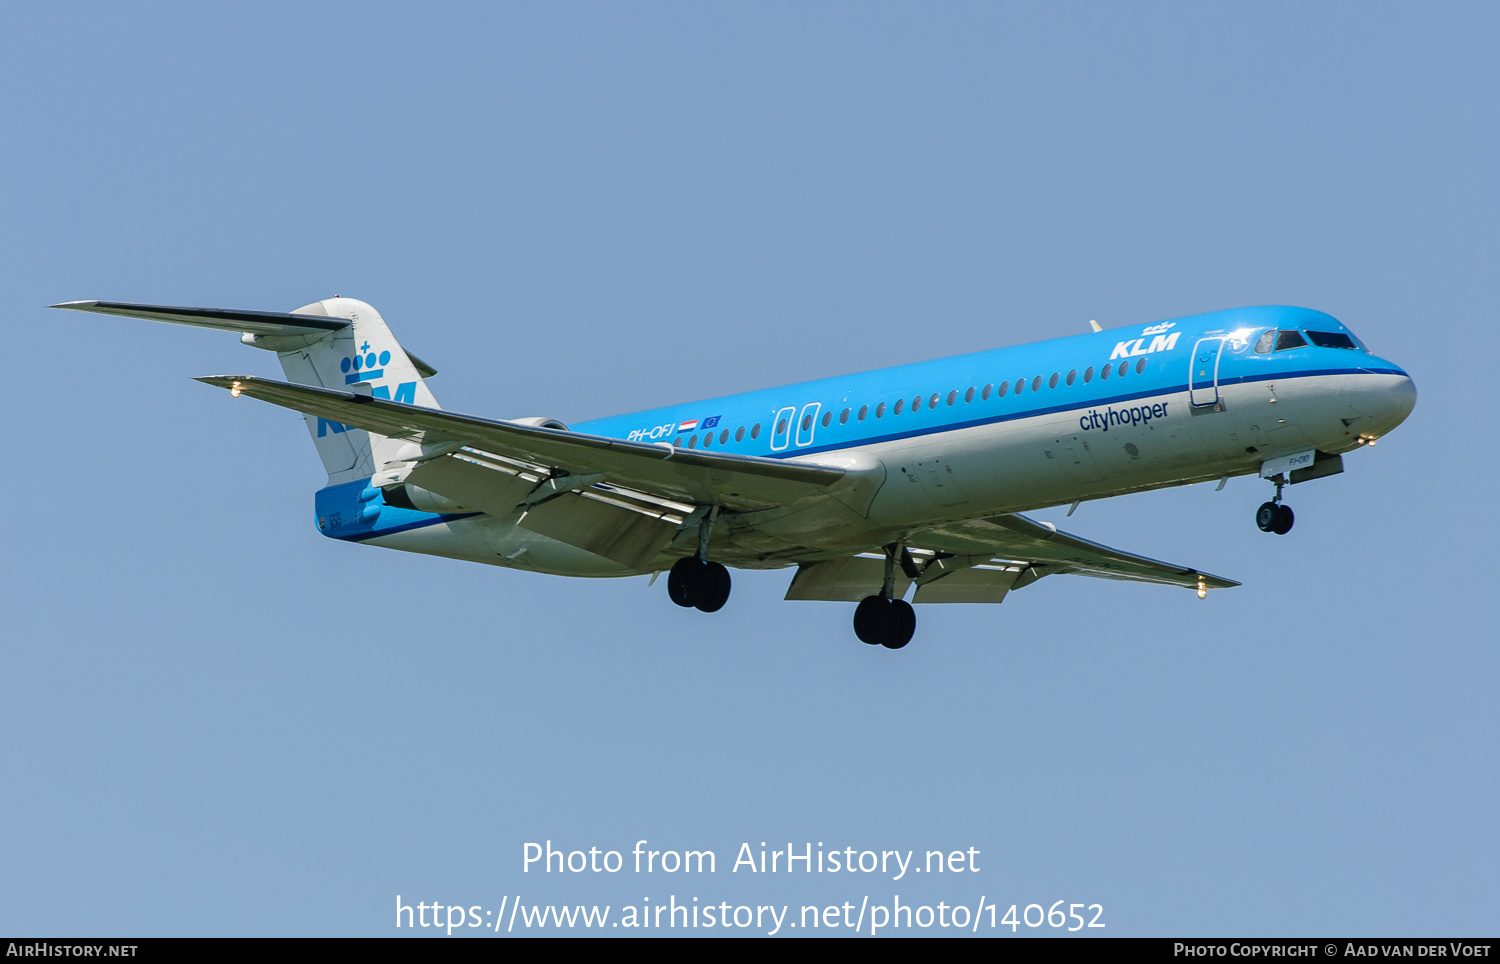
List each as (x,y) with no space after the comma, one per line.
(1387,400)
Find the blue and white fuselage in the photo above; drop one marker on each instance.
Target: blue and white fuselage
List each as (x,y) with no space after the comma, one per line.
(923,464)
(1015,429)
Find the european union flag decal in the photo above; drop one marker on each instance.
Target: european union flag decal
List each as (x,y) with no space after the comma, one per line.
(711,422)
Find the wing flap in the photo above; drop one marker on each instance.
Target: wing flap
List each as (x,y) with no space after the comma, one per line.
(627,536)
(849,579)
(977,584)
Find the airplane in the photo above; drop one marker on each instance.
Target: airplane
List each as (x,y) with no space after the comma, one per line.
(869,484)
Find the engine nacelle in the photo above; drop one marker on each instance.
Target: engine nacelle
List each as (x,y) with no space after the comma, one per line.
(408,496)
(541,423)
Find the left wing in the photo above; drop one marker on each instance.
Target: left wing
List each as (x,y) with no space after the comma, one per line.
(740,483)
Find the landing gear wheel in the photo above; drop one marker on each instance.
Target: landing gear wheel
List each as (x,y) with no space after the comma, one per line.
(694,584)
(715,588)
(869,616)
(1266,516)
(904,626)
(1284,520)
(686,582)
(884,622)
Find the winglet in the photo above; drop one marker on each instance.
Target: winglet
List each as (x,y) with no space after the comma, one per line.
(1094,325)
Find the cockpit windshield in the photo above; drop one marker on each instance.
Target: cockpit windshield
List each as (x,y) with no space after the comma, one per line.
(1332,339)
(1279,340)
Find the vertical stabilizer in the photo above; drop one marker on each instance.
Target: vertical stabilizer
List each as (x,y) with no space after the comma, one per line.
(360,357)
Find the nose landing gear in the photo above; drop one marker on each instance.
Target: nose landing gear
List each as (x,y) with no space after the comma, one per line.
(1274,516)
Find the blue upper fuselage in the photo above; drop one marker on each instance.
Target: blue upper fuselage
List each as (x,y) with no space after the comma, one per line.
(1082,372)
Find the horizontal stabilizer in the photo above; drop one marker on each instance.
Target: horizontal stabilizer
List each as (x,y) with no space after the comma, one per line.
(223,319)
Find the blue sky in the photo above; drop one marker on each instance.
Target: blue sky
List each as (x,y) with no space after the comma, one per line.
(217,722)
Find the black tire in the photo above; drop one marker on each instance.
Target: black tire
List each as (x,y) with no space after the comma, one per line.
(685,582)
(1266,516)
(903,626)
(1284,520)
(715,588)
(870,616)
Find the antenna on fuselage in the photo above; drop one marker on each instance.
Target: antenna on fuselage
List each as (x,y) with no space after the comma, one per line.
(1095,325)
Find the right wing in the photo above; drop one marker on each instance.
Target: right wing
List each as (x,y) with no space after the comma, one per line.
(981,560)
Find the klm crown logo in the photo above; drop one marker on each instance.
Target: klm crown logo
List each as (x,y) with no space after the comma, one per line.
(367,366)
(364,366)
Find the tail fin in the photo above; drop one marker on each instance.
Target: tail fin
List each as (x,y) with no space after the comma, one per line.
(361,356)
(337,343)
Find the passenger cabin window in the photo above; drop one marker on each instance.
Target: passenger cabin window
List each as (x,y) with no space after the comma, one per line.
(1331,339)
(1289,338)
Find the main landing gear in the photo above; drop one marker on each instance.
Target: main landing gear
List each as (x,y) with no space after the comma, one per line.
(884,620)
(697,583)
(693,583)
(1274,516)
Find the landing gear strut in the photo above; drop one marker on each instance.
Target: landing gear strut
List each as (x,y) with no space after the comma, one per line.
(696,583)
(1274,516)
(884,620)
